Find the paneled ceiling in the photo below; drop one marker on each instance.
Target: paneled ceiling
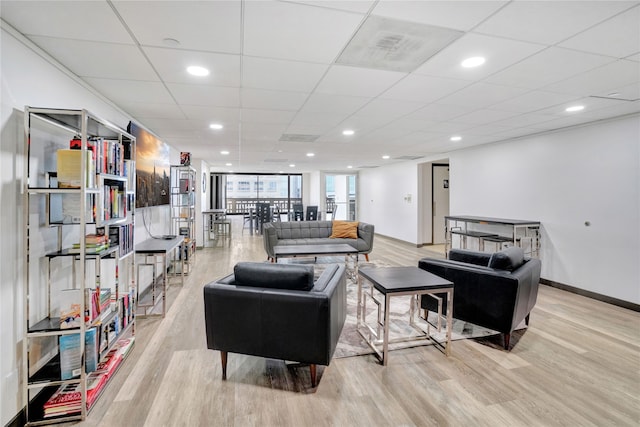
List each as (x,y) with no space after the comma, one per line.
(288,77)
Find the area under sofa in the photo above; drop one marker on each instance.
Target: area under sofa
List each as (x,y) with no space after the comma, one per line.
(314,233)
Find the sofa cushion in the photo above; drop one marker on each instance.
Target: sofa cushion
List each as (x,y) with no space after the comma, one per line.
(508,259)
(268,275)
(344,229)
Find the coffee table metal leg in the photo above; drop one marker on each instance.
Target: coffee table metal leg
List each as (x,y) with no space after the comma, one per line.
(449,320)
(385,343)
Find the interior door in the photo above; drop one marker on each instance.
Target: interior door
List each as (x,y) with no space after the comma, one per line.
(440,201)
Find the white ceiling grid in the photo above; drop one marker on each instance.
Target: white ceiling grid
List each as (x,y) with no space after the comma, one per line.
(276,70)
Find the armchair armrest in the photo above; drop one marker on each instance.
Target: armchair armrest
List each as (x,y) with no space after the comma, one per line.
(270,238)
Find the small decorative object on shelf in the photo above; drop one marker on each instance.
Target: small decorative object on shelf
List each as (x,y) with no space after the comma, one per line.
(79,200)
(185,158)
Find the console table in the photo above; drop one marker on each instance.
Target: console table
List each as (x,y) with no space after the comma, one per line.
(495,230)
(158,250)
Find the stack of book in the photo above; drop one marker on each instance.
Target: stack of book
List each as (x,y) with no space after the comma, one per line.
(94,243)
(67,399)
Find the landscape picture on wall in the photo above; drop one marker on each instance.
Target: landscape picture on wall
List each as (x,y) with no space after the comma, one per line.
(152,168)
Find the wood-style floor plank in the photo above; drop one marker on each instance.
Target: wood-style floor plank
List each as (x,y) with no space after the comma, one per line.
(578,363)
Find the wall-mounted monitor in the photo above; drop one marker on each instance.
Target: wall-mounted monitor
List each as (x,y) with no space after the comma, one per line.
(152,168)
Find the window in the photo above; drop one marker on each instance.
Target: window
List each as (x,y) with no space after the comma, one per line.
(244,186)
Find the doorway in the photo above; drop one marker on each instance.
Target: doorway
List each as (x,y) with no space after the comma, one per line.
(440,200)
(340,197)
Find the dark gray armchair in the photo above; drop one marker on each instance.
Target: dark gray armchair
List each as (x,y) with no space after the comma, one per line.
(277,311)
(496,291)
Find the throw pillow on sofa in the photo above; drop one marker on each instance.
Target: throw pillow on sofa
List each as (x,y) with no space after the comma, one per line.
(344,230)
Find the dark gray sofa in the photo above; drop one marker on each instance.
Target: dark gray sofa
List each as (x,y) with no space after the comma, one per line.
(496,291)
(277,311)
(313,233)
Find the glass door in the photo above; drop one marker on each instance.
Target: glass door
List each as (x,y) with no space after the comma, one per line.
(340,197)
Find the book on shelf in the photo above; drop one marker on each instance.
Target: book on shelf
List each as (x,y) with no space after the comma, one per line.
(69,168)
(70,356)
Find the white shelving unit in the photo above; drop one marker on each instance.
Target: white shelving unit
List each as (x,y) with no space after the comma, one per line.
(79,318)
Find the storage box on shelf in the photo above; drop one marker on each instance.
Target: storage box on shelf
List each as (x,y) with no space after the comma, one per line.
(79,200)
(183,211)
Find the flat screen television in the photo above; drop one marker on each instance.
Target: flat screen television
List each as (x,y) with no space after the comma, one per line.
(152,168)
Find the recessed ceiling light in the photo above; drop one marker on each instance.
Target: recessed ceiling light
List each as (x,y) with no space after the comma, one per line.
(228,164)
(613,94)
(292,165)
(224,152)
(280,171)
(216,126)
(574,108)
(170,42)
(230,171)
(310,154)
(474,61)
(455,138)
(195,70)
(386,156)
(349,167)
(348,132)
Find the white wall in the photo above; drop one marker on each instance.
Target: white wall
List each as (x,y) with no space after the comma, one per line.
(30,77)
(589,173)
(564,179)
(381,200)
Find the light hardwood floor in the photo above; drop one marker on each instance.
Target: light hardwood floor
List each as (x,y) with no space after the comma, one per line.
(578,364)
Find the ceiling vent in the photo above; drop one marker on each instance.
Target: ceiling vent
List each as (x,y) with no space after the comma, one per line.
(394,45)
(298,137)
(368,167)
(408,157)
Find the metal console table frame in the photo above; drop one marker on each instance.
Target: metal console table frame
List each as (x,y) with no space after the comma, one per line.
(471,226)
(157,249)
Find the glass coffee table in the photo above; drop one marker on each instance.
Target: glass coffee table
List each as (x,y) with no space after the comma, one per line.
(400,281)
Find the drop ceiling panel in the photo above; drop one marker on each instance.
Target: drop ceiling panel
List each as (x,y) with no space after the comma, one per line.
(251,115)
(630,92)
(215,96)
(67,20)
(272,99)
(534,100)
(130,91)
(484,116)
(442,13)
(101,60)
(358,6)
(172,65)
(156,111)
(274,74)
(206,26)
(590,104)
(605,78)
(327,120)
(296,31)
(549,22)
(224,116)
(482,94)
(354,81)
(440,112)
(498,52)
(549,66)
(423,89)
(618,36)
(323,103)
(388,109)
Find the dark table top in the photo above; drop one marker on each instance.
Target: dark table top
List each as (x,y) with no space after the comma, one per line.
(329,249)
(403,279)
(153,246)
(482,219)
